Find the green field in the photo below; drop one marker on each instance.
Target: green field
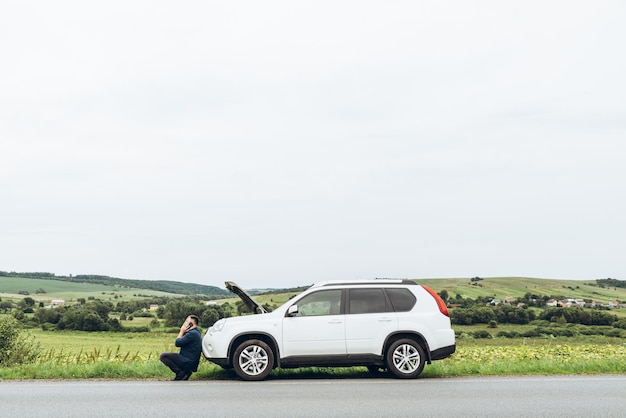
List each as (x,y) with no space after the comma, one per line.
(10,287)
(144,345)
(497,287)
(501,287)
(83,355)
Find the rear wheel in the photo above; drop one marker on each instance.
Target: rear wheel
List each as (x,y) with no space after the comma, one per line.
(405,359)
(253,360)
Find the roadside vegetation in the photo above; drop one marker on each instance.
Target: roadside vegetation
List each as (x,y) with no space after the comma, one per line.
(92,337)
(105,355)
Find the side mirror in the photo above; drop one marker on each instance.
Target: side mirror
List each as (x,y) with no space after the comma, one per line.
(292,310)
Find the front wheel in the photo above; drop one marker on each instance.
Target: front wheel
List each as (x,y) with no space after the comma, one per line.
(405,359)
(253,360)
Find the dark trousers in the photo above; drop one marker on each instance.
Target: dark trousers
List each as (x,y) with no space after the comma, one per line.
(172,360)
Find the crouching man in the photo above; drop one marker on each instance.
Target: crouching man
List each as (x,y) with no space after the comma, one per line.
(184,363)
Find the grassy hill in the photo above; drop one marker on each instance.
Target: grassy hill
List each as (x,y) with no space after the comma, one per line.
(46,286)
(20,287)
(501,287)
(105,288)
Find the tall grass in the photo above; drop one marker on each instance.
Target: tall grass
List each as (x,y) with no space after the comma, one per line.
(474,359)
(80,355)
(551,357)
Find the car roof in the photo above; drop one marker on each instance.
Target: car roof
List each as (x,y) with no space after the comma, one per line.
(371,282)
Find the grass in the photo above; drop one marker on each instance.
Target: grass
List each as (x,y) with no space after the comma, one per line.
(498,287)
(534,356)
(501,287)
(69,291)
(83,355)
(147,344)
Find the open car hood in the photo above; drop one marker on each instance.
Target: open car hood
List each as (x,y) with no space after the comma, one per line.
(253,305)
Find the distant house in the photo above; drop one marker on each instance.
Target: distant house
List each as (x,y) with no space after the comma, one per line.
(552,302)
(573,302)
(56,303)
(154,307)
(509,299)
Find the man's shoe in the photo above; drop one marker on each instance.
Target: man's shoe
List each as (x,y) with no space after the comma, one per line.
(182,376)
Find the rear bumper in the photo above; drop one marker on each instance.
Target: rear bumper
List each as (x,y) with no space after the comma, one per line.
(443,352)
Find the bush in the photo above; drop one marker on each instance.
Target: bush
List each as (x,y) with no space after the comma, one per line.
(532,333)
(15,346)
(137,329)
(509,334)
(620,324)
(142,314)
(615,333)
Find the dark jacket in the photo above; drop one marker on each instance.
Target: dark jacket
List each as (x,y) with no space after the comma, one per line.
(190,349)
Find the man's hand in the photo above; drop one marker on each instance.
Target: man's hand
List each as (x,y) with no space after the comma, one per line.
(186,326)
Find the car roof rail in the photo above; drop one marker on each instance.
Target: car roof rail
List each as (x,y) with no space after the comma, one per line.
(372,282)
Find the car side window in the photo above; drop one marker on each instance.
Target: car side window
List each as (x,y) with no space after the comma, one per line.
(324,302)
(402,300)
(367,301)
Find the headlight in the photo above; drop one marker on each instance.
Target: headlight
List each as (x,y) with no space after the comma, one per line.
(218,326)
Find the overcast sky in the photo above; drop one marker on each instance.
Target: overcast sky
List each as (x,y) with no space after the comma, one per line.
(279,143)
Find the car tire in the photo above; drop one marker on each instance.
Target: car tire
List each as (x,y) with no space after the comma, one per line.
(405,358)
(253,360)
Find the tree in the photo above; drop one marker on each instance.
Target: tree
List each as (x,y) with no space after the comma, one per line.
(175,312)
(91,321)
(209,317)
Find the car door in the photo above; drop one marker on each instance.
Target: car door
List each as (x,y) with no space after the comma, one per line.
(369,320)
(317,328)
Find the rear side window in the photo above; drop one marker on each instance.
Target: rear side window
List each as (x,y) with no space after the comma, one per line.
(367,301)
(402,299)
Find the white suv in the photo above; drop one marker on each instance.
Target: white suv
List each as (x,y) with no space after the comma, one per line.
(396,325)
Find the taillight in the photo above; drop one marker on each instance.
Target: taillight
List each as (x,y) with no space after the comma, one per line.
(440,303)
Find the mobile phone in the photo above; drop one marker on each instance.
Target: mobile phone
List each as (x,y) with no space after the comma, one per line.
(189,325)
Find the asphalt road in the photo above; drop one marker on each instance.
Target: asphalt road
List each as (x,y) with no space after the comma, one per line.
(545,396)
